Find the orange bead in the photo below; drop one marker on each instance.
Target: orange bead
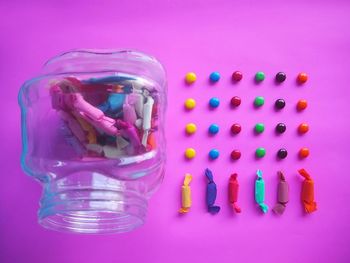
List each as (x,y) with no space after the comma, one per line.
(302,78)
(301,105)
(304,152)
(303,128)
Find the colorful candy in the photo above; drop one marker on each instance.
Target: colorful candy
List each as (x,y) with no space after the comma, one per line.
(236,128)
(301,105)
(186,200)
(280,104)
(260,192)
(259,128)
(280,77)
(211,193)
(233,188)
(259,101)
(235,154)
(304,152)
(190,153)
(303,128)
(282,194)
(237,76)
(282,153)
(280,128)
(214,154)
(213,129)
(302,78)
(214,102)
(191,128)
(190,104)
(235,101)
(214,76)
(259,76)
(260,152)
(190,78)
(307,192)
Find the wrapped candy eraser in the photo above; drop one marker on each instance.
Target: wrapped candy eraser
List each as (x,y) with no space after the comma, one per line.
(233,188)
(211,193)
(186,200)
(260,192)
(282,194)
(307,192)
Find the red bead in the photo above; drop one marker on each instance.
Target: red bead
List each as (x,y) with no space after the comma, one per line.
(237,76)
(235,101)
(235,154)
(236,128)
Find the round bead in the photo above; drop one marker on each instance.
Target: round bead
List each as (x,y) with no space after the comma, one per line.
(235,154)
(302,78)
(301,105)
(260,152)
(190,153)
(259,128)
(237,76)
(304,152)
(214,102)
(190,77)
(214,154)
(191,128)
(236,128)
(235,101)
(259,101)
(214,76)
(280,77)
(282,153)
(213,129)
(281,128)
(303,128)
(190,104)
(280,104)
(259,76)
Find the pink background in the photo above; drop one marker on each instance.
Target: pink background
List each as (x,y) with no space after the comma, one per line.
(200,36)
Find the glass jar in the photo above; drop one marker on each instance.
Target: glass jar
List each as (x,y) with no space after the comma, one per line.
(93,136)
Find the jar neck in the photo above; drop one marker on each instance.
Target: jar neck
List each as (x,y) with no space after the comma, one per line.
(91,209)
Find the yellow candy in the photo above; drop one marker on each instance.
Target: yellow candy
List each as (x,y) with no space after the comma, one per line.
(186,200)
(190,77)
(190,104)
(191,128)
(190,153)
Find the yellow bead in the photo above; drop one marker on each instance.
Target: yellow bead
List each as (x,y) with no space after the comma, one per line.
(191,128)
(190,104)
(190,153)
(190,77)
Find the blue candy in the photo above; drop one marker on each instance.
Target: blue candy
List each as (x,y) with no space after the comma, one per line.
(214,102)
(211,193)
(213,129)
(214,154)
(214,76)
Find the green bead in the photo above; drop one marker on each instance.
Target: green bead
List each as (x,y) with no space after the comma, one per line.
(259,101)
(260,152)
(259,127)
(259,76)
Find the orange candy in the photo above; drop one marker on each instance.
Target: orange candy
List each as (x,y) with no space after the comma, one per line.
(304,152)
(302,77)
(301,105)
(303,128)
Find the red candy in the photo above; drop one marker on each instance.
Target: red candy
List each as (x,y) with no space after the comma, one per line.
(235,154)
(236,128)
(235,101)
(237,76)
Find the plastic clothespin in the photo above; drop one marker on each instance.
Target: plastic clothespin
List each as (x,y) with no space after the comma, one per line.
(129,131)
(282,194)
(260,192)
(129,113)
(147,116)
(211,193)
(307,192)
(233,188)
(186,200)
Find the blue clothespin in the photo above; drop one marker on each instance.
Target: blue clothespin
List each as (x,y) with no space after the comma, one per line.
(211,193)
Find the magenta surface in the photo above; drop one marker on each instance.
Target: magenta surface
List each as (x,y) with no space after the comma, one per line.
(199,36)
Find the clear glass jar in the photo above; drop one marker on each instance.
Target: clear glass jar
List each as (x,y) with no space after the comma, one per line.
(93,136)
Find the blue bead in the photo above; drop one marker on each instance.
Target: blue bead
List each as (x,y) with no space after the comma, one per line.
(213,129)
(214,154)
(214,102)
(214,76)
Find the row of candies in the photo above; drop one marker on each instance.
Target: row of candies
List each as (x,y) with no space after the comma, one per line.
(307,193)
(106,117)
